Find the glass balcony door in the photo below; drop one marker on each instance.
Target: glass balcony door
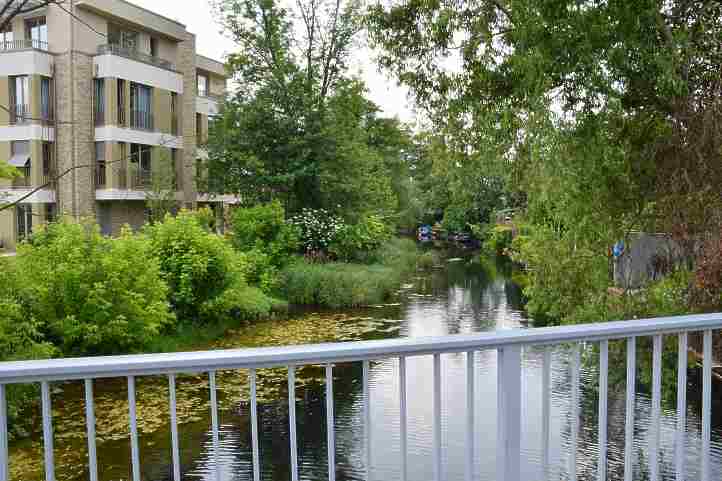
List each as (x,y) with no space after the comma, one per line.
(36,31)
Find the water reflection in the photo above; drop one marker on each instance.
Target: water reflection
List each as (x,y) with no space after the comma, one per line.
(465,297)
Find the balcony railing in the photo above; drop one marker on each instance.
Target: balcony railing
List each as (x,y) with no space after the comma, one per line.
(507,344)
(22,182)
(23,44)
(49,178)
(121,116)
(134,54)
(100,178)
(141,179)
(122,178)
(141,120)
(20,114)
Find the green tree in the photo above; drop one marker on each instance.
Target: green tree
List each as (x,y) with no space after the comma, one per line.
(161,199)
(606,115)
(300,128)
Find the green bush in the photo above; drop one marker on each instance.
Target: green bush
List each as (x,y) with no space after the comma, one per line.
(354,242)
(198,266)
(89,294)
(264,228)
(498,239)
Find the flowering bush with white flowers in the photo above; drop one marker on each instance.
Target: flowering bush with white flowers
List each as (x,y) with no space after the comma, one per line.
(318,227)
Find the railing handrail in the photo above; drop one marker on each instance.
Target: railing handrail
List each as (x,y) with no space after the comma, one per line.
(265,357)
(134,54)
(23,44)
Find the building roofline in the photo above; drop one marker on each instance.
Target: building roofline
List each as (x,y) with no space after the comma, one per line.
(153,13)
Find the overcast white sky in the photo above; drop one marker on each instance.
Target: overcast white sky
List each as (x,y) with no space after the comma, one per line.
(197,16)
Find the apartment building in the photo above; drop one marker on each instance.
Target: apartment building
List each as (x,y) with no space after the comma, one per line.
(106,104)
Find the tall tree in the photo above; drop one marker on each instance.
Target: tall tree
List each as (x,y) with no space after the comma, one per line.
(298,127)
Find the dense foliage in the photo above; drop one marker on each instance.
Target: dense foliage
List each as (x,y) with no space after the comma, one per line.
(348,285)
(600,118)
(300,128)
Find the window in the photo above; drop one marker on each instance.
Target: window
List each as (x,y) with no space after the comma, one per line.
(47,159)
(177,175)
(141,106)
(36,30)
(153,47)
(7,38)
(46,99)
(19,98)
(50,213)
(99,102)
(24,220)
(202,81)
(141,154)
(20,150)
(123,38)
(174,113)
(121,102)
(199,128)
(100,171)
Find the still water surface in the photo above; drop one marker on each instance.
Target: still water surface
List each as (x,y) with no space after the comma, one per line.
(460,297)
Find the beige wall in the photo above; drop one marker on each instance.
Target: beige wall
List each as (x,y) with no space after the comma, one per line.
(161,110)
(85,39)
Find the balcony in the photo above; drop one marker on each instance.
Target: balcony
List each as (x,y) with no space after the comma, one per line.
(508,347)
(22,182)
(20,114)
(23,44)
(141,120)
(133,54)
(141,179)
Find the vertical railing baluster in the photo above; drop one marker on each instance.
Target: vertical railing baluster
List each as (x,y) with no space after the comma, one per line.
(403,422)
(254,425)
(292,421)
(215,426)
(603,395)
(90,427)
(134,451)
(656,408)
(546,396)
(681,435)
(629,415)
(707,406)
(175,450)
(437,417)
(330,425)
(510,420)
(574,412)
(367,416)
(4,461)
(47,432)
(470,374)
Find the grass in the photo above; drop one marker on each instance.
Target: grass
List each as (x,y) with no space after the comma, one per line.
(338,284)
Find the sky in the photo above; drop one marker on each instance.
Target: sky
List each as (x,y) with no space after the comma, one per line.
(210,42)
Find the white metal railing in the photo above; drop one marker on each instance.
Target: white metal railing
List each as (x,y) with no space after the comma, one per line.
(509,345)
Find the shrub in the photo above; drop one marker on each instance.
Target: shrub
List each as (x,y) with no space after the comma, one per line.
(499,239)
(92,295)
(264,228)
(317,229)
(354,242)
(198,266)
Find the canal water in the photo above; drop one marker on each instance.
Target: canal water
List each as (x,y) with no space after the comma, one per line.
(458,296)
